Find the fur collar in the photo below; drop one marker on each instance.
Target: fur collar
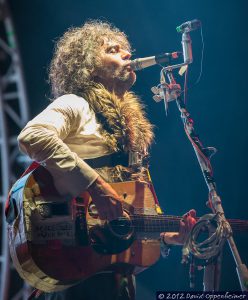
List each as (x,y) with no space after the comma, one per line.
(124,124)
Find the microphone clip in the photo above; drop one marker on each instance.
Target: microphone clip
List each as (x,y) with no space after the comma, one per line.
(166,91)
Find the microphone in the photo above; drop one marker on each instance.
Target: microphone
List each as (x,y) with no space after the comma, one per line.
(189,26)
(187,48)
(142,63)
(185,28)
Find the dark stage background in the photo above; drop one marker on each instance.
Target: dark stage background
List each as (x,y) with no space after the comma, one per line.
(218,103)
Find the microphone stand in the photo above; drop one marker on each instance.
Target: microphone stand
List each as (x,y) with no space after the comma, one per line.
(212,271)
(172,91)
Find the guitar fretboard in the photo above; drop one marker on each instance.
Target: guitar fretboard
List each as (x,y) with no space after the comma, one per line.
(160,223)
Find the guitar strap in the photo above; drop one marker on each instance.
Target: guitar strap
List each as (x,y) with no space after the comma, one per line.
(111,160)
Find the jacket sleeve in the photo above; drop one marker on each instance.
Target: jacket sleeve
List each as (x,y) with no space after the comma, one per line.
(42,140)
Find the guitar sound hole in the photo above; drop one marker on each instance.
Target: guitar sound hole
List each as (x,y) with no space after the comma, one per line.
(121,227)
(113,237)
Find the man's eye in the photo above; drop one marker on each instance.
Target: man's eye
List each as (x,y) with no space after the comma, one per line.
(113,50)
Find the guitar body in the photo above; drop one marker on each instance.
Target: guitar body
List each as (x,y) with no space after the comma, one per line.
(56,242)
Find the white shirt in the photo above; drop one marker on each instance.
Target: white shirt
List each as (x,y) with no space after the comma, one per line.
(61,136)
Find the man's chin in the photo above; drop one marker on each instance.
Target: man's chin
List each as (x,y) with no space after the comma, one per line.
(133,75)
(125,80)
(129,78)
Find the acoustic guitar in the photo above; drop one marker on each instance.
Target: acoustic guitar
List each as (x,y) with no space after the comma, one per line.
(56,242)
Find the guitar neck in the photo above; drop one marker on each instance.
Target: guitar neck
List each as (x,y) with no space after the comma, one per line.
(161,223)
(152,223)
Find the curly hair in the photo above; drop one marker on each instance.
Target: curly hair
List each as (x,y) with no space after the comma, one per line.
(76,57)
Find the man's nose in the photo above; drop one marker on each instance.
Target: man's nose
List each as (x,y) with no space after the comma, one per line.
(125,54)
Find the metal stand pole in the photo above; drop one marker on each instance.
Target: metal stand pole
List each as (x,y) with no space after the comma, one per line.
(203,155)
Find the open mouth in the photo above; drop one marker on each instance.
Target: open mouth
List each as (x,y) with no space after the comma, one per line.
(128,68)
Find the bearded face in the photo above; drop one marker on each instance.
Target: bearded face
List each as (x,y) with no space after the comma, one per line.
(114,70)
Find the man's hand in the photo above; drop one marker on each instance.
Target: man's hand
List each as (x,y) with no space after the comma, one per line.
(107,201)
(186,224)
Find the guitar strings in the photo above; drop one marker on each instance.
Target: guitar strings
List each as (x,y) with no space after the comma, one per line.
(170,221)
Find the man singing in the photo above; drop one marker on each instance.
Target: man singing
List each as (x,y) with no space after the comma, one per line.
(94,132)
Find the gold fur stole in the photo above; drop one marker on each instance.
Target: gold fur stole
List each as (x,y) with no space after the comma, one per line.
(125,126)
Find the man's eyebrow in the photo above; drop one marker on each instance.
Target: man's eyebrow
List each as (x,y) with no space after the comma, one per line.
(116,45)
(113,45)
